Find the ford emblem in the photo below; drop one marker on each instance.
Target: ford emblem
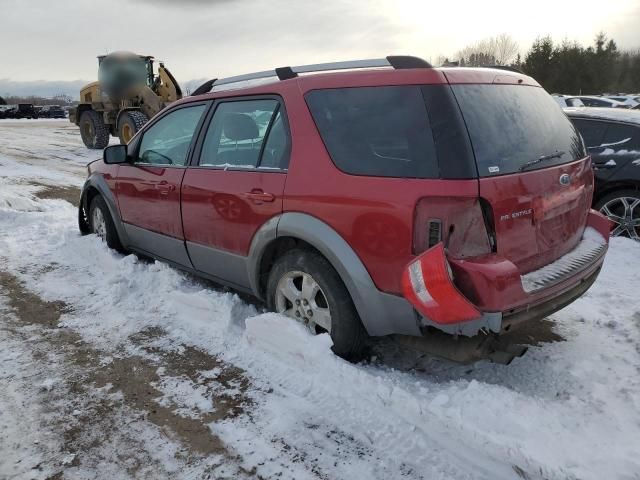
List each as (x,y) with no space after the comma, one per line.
(565,179)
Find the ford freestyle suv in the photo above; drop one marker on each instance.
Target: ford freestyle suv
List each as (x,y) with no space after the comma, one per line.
(390,198)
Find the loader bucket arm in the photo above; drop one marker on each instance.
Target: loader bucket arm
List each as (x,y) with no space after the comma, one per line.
(168,88)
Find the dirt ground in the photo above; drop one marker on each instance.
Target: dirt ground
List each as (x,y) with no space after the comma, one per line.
(93,419)
(134,376)
(90,420)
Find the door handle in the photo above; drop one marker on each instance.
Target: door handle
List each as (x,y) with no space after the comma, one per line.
(258,196)
(165,187)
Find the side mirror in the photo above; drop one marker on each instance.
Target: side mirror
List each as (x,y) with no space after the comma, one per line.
(115,154)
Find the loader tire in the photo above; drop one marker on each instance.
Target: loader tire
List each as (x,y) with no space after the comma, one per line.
(93,131)
(129,124)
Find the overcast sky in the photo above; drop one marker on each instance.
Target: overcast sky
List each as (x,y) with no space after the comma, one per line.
(59,40)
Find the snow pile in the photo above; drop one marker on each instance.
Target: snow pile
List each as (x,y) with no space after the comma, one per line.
(565,410)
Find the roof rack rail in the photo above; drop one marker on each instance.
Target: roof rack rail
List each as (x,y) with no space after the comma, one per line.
(508,68)
(398,62)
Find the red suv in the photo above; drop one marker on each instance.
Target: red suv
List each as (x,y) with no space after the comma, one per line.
(386,199)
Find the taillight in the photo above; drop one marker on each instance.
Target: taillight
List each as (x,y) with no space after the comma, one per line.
(489,223)
(459,222)
(427,284)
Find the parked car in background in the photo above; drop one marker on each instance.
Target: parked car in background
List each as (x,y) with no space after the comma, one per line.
(567,100)
(374,201)
(52,111)
(10,111)
(25,110)
(612,137)
(630,100)
(593,101)
(5,111)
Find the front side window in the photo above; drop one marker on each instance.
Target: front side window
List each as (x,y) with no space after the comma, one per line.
(376,131)
(167,141)
(237,132)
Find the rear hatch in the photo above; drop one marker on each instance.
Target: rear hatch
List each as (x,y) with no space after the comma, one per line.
(533,170)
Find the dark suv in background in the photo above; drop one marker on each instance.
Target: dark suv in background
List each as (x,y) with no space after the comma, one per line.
(52,111)
(25,110)
(373,201)
(612,137)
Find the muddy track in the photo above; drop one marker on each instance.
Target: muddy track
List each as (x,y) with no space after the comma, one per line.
(70,194)
(92,418)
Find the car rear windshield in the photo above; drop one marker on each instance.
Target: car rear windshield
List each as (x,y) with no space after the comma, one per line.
(376,131)
(516,127)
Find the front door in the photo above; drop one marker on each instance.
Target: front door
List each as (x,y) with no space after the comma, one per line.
(148,189)
(236,185)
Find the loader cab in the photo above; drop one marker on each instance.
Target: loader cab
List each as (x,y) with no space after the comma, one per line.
(148,64)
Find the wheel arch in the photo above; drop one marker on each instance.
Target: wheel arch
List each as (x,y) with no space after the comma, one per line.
(79,110)
(611,187)
(96,185)
(380,313)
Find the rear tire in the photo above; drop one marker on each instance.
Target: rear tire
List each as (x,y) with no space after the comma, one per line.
(299,265)
(101,224)
(623,208)
(93,131)
(129,124)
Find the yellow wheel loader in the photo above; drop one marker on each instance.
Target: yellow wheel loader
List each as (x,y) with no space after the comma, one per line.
(127,94)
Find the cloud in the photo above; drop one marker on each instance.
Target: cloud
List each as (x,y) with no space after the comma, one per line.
(218,38)
(182,3)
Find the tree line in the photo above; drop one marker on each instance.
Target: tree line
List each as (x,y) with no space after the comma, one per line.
(62,100)
(564,67)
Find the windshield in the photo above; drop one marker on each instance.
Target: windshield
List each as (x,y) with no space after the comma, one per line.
(515,125)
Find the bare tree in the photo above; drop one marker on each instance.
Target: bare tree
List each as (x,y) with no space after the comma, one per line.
(500,50)
(506,49)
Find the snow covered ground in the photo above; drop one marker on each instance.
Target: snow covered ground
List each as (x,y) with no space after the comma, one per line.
(113,367)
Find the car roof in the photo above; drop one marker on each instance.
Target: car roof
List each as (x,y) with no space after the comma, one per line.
(604,113)
(363,77)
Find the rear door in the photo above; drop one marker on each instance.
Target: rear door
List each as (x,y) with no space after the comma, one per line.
(533,170)
(148,189)
(235,185)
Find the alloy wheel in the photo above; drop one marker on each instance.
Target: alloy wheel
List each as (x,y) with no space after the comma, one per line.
(98,223)
(300,297)
(625,213)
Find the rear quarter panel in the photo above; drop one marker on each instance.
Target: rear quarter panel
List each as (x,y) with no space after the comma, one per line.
(374,215)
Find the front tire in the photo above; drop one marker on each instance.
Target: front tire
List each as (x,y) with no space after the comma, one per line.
(93,131)
(129,124)
(101,224)
(623,208)
(304,286)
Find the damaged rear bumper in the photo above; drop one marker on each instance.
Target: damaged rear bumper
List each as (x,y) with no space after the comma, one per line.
(502,297)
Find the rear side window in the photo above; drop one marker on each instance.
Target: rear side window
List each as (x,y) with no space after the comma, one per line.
(516,127)
(622,137)
(592,131)
(376,131)
(237,132)
(594,102)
